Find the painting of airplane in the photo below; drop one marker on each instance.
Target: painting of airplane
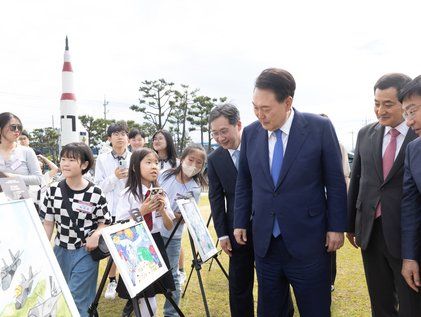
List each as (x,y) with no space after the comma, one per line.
(24,289)
(47,307)
(8,271)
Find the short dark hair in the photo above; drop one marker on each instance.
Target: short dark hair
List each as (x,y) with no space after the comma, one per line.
(79,151)
(413,88)
(277,80)
(226,110)
(392,80)
(134,132)
(25,133)
(117,127)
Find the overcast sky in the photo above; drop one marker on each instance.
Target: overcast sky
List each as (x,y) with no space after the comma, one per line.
(336,51)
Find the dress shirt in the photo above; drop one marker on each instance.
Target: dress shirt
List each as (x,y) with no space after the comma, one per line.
(105,178)
(232,151)
(129,203)
(403,130)
(285,134)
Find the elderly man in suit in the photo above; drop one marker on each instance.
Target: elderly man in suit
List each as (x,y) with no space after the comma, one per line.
(410,97)
(374,201)
(226,129)
(290,181)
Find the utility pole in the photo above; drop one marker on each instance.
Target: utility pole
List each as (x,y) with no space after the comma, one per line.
(105,108)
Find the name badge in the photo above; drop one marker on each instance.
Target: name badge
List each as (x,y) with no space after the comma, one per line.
(85,207)
(15,164)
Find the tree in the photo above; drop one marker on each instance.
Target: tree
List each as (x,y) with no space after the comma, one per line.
(178,119)
(96,128)
(156,102)
(46,140)
(199,116)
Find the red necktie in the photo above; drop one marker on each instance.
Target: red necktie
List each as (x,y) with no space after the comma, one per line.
(388,159)
(148,217)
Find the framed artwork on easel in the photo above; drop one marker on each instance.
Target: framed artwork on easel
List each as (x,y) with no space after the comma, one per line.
(32,283)
(136,255)
(197,228)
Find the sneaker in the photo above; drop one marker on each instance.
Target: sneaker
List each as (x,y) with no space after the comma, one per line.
(332,288)
(110,291)
(182,277)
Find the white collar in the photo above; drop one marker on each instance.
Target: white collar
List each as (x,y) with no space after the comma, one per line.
(402,128)
(233,150)
(286,127)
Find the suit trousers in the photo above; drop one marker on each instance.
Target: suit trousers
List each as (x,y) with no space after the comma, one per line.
(309,278)
(390,296)
(241,281)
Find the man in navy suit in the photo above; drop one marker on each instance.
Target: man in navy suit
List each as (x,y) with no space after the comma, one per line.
(290,182)
(410,97)
(226,129)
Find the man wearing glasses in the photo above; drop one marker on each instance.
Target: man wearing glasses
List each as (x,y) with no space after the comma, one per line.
(374,201)
(226,129)
(410,98)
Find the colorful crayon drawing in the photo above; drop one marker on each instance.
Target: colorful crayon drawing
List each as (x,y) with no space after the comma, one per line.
(197,228)
(136,255)
(27,264)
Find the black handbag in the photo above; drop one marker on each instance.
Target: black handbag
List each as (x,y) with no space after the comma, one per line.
(100,252)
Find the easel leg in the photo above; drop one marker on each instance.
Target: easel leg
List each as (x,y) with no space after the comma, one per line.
(93,308)
(220,265)
(198,267)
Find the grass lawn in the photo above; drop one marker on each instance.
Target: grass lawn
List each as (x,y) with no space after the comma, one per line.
(350,298)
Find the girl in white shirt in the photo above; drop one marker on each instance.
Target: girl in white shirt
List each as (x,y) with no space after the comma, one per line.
(163,144)
(156,211)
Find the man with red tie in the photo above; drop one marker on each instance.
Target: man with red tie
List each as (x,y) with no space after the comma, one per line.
(374,201)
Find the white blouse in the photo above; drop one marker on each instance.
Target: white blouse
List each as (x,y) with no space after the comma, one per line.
(128,202)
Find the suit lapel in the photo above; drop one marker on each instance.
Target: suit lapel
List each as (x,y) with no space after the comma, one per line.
(401,155)
(297,135)
(377,144)
(262,138)
(228,162)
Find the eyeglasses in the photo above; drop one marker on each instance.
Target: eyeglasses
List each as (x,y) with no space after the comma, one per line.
(15,127)
(121,133)
(411,112)
(222,132)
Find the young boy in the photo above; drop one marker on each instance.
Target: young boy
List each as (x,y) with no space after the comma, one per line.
(90,209)
(110,176)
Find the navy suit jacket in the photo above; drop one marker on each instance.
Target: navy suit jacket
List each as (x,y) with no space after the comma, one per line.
(310,196)
(411,203)
(222,176)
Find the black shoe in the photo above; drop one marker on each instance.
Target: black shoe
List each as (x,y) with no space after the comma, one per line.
(128,309)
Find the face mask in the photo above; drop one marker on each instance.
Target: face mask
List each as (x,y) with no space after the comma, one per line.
(189,170)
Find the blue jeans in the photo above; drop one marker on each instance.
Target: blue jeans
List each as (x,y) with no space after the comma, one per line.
(80,273)
(173,252)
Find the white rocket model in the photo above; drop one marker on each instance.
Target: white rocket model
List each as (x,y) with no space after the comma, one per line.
(69,122)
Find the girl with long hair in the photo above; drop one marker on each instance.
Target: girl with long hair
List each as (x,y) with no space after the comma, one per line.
(185,180)
(155,210)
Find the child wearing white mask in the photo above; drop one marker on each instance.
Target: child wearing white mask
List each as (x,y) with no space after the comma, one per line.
(186,179)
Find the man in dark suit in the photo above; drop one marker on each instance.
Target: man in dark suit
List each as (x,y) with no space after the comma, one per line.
(410,97)
(226,129)
(290,181)
(374,201)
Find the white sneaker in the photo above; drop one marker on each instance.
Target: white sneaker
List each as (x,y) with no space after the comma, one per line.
(182,277)
(110,291)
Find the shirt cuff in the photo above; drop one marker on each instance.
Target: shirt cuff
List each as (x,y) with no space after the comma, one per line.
(223,238)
